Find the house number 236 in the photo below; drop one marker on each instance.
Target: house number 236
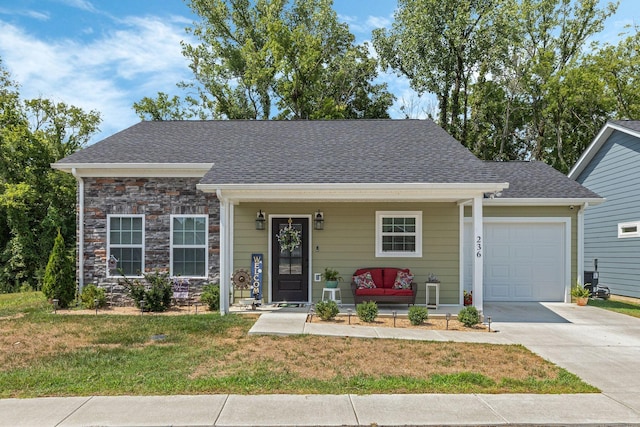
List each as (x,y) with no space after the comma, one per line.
(479,247)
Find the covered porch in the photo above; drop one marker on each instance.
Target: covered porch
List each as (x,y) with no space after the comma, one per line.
(351,236)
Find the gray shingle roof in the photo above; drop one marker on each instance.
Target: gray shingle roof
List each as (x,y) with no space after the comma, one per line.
(629,124)
(335,151)
(538,180)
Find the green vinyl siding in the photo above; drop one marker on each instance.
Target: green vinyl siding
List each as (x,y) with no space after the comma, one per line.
(348,242)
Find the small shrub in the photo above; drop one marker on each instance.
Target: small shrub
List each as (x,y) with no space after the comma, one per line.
(417,315)
(367,311)
(327,310)
(156,294)
(211,296)
(59,280)
(469,316)
(93,296)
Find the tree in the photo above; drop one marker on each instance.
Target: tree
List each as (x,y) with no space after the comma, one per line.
(438,45)
(279,59)
(510,76)
(59,278)
(35,200)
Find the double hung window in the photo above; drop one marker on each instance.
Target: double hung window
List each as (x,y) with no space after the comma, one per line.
(399,234)
(189,245)
(125,244)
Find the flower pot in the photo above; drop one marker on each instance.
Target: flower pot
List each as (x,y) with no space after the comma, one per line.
(331,284)
(582,300)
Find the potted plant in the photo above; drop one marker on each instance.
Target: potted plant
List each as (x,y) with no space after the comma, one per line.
(580,293)
(331,277)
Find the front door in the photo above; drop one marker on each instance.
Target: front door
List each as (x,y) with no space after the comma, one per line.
(290,259)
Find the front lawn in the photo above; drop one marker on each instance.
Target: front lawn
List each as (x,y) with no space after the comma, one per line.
(46,354)
(627,306)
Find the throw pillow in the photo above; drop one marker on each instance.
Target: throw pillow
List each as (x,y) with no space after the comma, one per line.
(403,280)
(364,281)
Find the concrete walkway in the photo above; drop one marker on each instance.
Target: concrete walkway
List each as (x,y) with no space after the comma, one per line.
(601,347)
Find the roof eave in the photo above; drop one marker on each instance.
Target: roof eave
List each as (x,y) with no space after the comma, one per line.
(542,201)
(347,192)
(595,146)
(136,170)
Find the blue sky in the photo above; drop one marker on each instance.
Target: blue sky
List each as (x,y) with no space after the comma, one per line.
(107,54)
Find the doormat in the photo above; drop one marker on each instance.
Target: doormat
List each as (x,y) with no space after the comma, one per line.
(290,304)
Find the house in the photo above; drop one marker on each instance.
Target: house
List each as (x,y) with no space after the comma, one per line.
(610,166)
(206,198)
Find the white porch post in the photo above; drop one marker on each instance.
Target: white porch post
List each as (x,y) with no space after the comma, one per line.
(225,253)
(478,252)
(580,250)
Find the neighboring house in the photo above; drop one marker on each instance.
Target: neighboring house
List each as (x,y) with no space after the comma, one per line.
(610,166)
(188,196)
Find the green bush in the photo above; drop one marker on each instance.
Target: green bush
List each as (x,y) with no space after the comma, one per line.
(417,315)
(367,311)
(211,296)
(156,294)
(469,316)
(327,310)
(60,275)
(92,297)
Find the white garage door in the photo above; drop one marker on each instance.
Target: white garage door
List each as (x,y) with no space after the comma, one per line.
(522,261)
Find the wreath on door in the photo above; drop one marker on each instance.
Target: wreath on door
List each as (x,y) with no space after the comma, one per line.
(289,238)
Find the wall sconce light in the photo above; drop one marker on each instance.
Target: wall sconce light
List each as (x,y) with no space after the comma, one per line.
(318,221)
(260,220)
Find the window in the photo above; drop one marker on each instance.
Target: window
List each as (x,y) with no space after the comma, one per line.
(125,237)
(189,245)
(399,234)
(628,229)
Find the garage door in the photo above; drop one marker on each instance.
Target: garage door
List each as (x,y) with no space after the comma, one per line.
(522,261)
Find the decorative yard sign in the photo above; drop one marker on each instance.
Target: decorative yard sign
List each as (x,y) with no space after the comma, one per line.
(256,276)
(180,287)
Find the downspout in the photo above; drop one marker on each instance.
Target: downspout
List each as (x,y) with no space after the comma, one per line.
(80,228)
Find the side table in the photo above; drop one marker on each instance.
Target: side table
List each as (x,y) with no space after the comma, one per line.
(437,286)
(335,294)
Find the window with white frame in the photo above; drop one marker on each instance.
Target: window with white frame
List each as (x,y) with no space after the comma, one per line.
(125,244)
(399,234)
(189,245)
(628,229)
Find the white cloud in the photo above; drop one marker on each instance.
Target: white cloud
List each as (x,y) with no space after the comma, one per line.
(80,4)
(40,16)
(374,22)
(139,58)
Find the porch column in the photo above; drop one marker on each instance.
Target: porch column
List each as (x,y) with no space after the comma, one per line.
(478,252)
(225,255)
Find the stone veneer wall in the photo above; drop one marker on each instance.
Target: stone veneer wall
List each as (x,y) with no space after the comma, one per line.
(157,199)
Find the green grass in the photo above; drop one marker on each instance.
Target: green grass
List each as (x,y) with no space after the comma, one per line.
(24,302)
(624,307)
(46,354)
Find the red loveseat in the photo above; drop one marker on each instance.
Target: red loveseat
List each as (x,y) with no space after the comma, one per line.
(384,292)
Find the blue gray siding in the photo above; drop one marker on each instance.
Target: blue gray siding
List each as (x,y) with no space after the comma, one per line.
(614,173)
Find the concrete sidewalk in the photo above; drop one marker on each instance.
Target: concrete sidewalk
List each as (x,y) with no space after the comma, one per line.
(601,347)
(317,410)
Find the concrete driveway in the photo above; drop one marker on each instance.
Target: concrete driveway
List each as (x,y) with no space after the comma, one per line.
(600,346)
